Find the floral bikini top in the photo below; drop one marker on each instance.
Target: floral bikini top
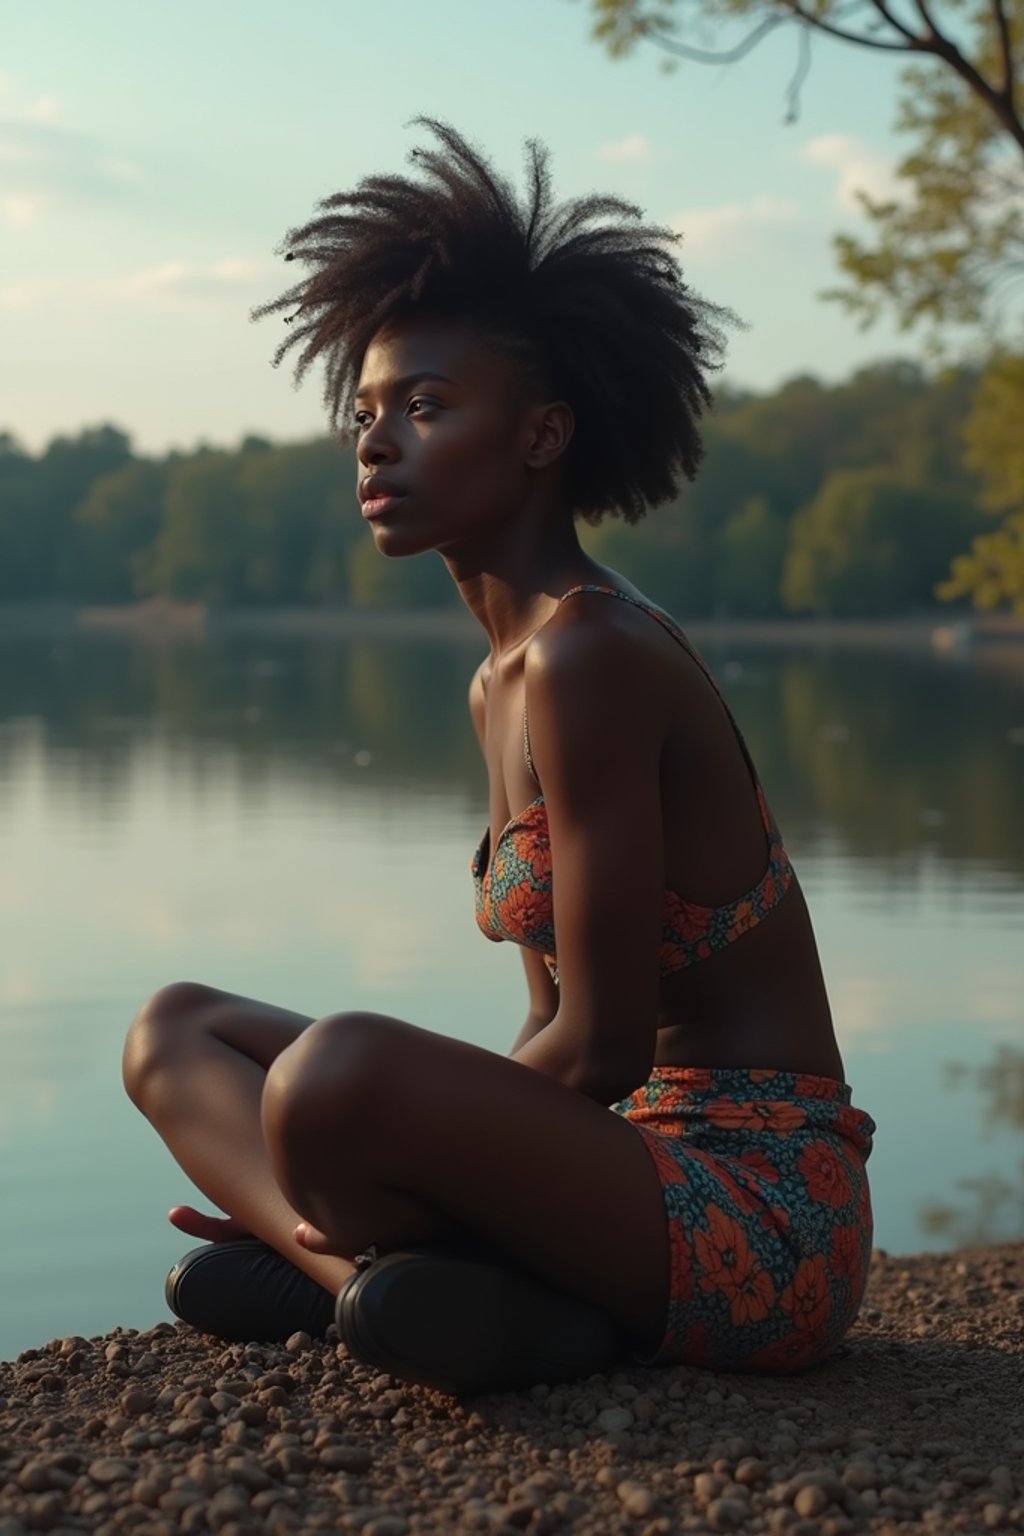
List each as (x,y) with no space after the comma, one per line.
(513,890)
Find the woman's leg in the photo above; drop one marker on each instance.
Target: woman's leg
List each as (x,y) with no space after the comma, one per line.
(195,1062)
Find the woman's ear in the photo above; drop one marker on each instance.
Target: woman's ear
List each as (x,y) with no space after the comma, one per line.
(551,428)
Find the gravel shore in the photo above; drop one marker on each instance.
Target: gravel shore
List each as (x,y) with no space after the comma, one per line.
(916,1426)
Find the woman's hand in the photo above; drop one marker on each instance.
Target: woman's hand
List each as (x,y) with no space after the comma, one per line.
(211,1229)
(314,1241)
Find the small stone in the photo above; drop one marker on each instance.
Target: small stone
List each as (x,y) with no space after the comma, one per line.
(184,1429)
(109,1469)
(810,1501)
(994,1515)
(707,1486)
(751,1470)
(34,1477)
(860,1475)
(726,1514)
(45,1510)
(135,1402)
(298,1343)
(386,1525)
(635,1498)
(611,1419)
(345,1458)
(252,1413)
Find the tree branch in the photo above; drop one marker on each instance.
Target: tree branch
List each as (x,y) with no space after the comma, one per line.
(799,76)
(1005,53)
(860,38)
(883,10)
(711,56)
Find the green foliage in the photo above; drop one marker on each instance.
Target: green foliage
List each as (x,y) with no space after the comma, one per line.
(942,248)
(994,433)
(869,543)
(279,524)
(946,247)
(113,527)
(992,573)
(37,501)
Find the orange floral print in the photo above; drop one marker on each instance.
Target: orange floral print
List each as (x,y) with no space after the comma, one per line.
(698,1349)
(744,917)
(755,1115)
(762,1074)
(760,1165)
(845,1256)
(824,1174)
(791,1353)
(729,1267)
(807,1296)
(687,920)
(809,1086)
(522,908)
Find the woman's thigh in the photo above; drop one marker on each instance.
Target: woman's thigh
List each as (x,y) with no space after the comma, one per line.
(185,1018)
(371,1118)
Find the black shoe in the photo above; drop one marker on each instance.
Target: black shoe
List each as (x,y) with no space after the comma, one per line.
(468,1325)
(245,1290)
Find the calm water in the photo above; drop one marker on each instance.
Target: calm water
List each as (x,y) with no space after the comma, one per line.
(292,818)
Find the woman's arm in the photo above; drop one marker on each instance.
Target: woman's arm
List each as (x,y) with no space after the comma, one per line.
(543,998)
(597,727)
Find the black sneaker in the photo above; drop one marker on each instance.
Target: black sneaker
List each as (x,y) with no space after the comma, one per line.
(245,1290)
(468,1325)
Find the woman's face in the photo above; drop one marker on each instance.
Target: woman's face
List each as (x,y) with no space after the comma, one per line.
(447,424)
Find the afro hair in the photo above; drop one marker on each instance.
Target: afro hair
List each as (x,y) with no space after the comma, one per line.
(587,300)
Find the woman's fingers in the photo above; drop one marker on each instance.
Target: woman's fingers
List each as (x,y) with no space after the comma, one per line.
(313,1241)
(210,1229)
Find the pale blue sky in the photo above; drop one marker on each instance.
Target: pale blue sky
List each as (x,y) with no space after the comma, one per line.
(152,156)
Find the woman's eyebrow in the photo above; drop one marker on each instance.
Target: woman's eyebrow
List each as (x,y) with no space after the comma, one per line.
(406,382)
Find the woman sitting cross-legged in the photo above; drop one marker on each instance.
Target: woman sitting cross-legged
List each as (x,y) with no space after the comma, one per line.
(666,1167)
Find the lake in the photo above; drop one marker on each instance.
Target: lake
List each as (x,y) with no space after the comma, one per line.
(291,818)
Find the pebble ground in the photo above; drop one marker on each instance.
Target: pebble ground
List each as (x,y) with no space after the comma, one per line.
(916,1426)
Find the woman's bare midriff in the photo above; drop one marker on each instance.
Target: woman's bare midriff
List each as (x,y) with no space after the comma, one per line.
(759,1003)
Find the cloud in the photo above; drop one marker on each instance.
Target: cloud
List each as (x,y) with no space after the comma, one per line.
(857,168)
(726,229)
(23,208)
(46,165)
(182,280)
(167,282)
(634,149)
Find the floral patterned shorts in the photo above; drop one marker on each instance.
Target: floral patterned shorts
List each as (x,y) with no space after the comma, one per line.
(769,1213)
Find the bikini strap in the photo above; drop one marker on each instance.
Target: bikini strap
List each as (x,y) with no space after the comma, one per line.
(669,624)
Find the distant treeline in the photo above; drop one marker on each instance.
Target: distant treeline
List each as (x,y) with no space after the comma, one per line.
(839,500)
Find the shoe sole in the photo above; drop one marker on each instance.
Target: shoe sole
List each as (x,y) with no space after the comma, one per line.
(463,1327)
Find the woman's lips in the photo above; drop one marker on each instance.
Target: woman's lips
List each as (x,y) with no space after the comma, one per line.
(377,506)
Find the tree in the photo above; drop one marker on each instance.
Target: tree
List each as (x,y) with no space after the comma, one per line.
(871,543)
(113,528)
(948,247)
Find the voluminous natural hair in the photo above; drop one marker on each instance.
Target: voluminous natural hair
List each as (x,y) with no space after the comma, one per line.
(590,303)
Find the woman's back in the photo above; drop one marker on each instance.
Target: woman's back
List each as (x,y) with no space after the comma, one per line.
(741,983)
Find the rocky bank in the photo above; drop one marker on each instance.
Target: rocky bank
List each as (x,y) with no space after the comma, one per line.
(916,1426)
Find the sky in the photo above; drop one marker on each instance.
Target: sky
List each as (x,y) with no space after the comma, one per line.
(152,158)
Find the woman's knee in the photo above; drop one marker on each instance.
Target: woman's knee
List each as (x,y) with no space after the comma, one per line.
(163,1026)
(318,1081)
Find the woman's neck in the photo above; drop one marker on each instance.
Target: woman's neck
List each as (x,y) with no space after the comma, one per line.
(514,587)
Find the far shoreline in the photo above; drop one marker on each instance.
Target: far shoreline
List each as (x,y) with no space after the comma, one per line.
(937,631)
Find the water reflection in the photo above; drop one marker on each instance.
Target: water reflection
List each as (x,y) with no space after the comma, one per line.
(991,1204)
(885,756)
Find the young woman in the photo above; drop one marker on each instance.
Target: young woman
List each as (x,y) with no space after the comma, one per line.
(508,369)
